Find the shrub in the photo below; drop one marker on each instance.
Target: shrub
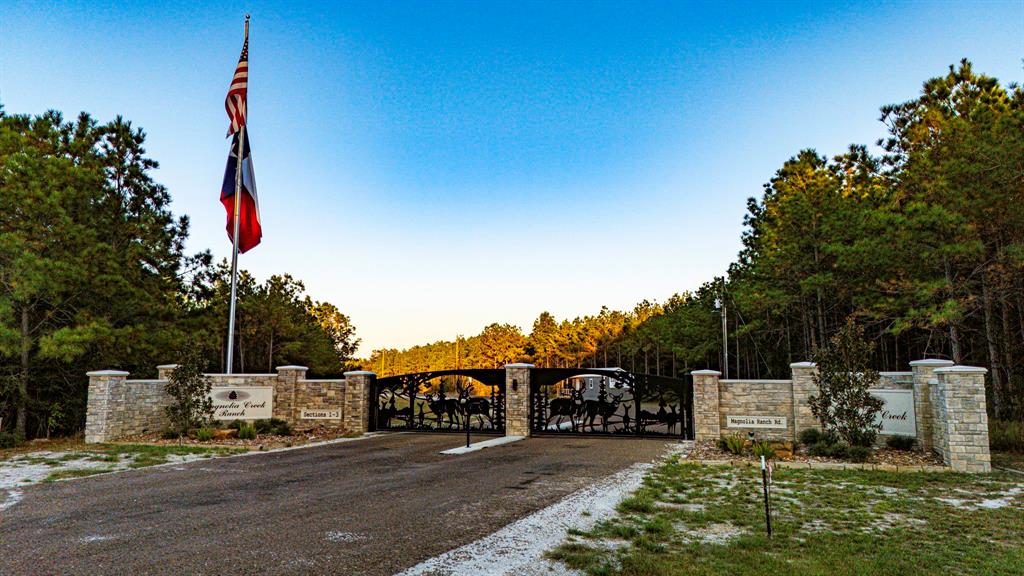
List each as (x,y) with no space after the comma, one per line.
(281,428)
(900,442)
(204,434)
(1006,435)
(171,435)
(843,403)
(865,438)
(763,448)
(8,440)
(235,425)
(263,426)
(839,450)
(811,436)
(858,453)
(189,390)
(247,432)
(732,444)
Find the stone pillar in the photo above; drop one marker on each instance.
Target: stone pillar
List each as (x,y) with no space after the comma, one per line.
(163,371)
(803,388)
(517,399)
(105,405)
(961,413)
(707,423)
(284,392)
(924,374)
(356,401)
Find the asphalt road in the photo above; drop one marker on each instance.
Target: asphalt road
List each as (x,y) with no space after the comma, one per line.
(373,506)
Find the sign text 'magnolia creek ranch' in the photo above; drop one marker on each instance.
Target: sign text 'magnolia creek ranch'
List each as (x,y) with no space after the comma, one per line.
(897,415)
(243,403)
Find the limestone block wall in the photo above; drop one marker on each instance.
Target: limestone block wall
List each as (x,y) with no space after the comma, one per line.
(760,398)
(961,413)
(706,414)
(517,399)
(356,397)
(928,435)
(803,388)
(949,407)
(118,407)
(321,395)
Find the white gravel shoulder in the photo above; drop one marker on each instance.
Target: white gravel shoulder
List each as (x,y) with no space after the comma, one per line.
(518,549)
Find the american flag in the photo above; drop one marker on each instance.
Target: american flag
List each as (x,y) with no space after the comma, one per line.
(235,102)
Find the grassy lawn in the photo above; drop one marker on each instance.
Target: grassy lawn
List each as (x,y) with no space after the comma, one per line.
(1011,460)
(693,519)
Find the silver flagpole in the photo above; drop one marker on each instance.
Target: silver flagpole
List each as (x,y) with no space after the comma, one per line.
(234,248)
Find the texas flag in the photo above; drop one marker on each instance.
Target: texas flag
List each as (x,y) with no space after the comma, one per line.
(249,230)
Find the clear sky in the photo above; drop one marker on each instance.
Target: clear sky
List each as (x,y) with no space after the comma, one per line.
(431,167)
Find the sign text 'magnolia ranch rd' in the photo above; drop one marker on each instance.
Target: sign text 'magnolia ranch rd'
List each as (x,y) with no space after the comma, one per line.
(243,403)
(732,421)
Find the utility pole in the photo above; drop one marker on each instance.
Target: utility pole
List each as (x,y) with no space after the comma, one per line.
(725,334)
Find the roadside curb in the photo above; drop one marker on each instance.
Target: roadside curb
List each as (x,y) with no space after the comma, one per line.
(481,445)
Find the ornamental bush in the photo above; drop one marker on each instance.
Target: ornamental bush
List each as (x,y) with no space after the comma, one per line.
(732,444)
(843,404)
(189,390)
(901,442)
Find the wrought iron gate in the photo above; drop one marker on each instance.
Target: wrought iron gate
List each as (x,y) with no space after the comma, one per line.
(441,401)
(610,402)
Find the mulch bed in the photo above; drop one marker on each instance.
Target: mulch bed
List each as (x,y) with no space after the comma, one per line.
(711,451)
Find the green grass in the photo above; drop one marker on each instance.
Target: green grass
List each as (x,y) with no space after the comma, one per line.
(692,519)
(133,455)
(144,455)
(75,473)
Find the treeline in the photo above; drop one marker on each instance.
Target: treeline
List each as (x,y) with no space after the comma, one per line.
(923,246)
(93,275)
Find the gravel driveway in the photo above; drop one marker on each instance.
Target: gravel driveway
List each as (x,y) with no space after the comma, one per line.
(373,506)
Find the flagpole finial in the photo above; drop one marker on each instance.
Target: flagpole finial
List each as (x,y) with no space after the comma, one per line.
(246,25)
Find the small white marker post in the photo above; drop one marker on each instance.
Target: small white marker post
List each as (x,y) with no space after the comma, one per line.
(766,471)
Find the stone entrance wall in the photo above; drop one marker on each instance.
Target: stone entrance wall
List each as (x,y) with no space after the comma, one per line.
(949,407)
(118,407)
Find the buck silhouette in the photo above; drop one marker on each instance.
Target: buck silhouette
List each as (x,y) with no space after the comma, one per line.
(570,407)
(672,419)
(591,409)
(470,407)
(442,407)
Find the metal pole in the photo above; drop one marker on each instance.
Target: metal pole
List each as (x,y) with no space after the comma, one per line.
(234,236)
(234,252)
(725,335)
(767,507)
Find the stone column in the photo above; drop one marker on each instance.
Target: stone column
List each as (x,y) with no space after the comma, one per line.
(924,374)
(803,388)
(163,371)
(962,416)
(707,424)
(104,405)
(284,392)
(517,399)
(356,401)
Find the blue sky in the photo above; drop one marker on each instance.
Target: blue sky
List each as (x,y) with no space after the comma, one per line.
(432,167)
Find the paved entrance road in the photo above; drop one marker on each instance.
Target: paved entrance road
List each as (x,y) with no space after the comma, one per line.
(370,507)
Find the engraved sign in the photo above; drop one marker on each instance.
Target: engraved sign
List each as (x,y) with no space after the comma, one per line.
(242,403)
(755,421)
(320,414)
(897,415)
